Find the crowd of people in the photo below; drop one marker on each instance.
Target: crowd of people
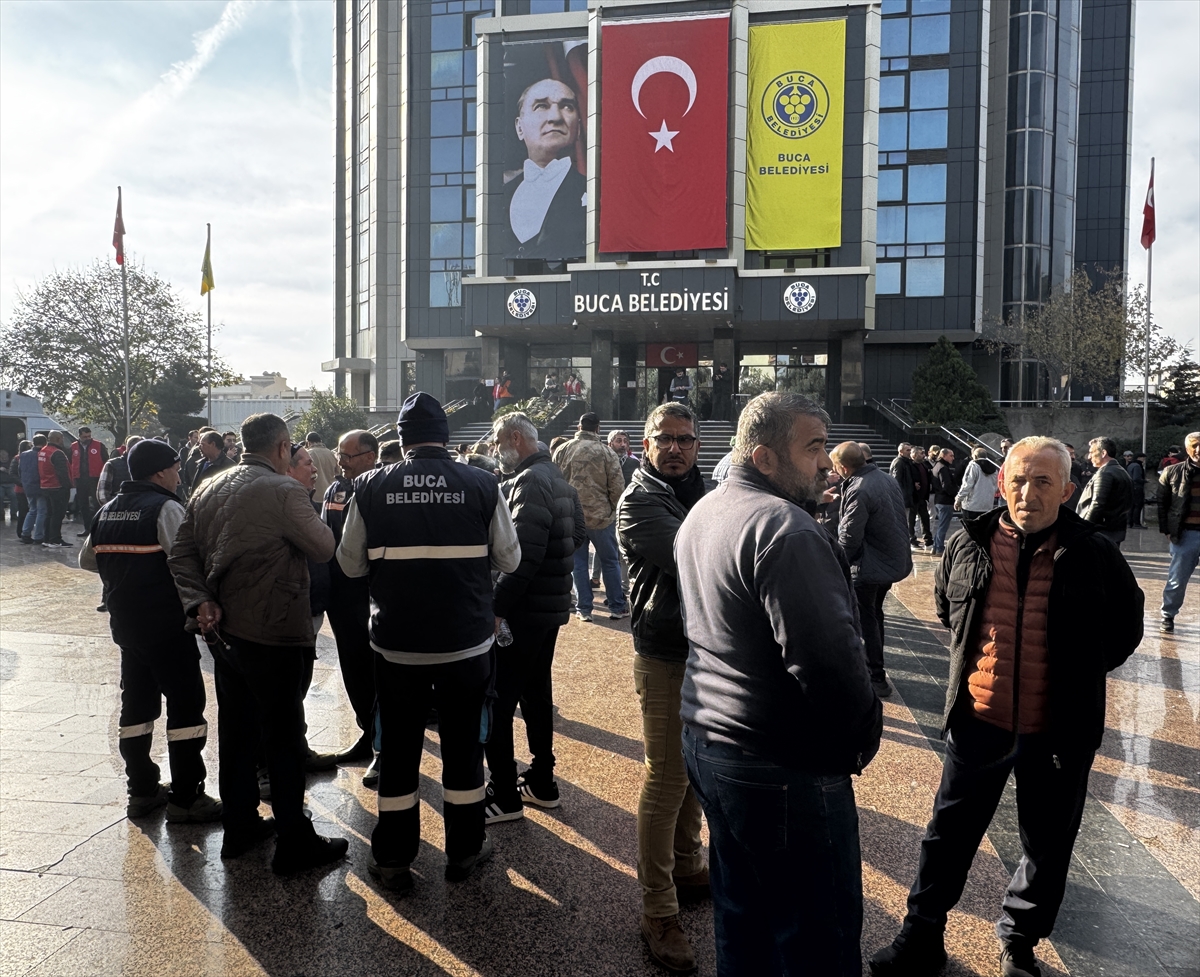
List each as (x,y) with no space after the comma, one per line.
(756,614)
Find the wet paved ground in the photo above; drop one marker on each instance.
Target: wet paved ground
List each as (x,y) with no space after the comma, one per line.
(84,891)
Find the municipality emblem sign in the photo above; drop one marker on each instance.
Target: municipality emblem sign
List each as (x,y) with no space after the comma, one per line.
(799,297)
(521,303)
(795,103)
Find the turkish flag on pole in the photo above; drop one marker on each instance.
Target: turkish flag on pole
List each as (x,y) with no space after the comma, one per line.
(663,126)
(1148,213)
(119,232)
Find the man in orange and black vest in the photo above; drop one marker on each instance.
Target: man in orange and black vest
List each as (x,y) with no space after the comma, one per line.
(1026,696)
(87,462)
(130,540)
(55,477)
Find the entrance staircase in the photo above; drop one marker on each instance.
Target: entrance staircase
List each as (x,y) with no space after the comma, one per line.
(714,439)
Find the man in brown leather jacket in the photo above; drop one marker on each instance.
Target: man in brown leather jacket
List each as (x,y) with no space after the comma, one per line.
(239,563)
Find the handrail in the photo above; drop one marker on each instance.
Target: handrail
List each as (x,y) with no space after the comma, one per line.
(883,408)
(983,444)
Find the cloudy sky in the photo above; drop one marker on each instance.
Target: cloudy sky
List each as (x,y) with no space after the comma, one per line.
(213,111)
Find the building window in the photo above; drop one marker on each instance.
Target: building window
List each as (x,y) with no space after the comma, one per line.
(887,278)
(926,183)
(891,92)
(891,184)
(445,155)
(445,289)
(893,132)
(929,89)
(930,35)
(927,130)
(891,225)
(925,277)
(926,223)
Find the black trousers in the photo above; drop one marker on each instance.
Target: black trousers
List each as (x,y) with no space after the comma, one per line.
(1050,794)
(260,692)
(169,667)
(870,614)
(920,510)
(349,613)
(459,690)
(721,408)
(523,675)
(22,509)
(58,509)
(85,500)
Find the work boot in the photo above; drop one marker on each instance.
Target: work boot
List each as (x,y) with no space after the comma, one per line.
(398,878)
(312,851)
(1017,960)
(668,944)
(237,843)
(140,806)
(315,762)
(359,751)
(460,870)
(911,954)
(202,810)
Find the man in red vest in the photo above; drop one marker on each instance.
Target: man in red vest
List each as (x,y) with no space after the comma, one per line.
(55,481)
(87,461)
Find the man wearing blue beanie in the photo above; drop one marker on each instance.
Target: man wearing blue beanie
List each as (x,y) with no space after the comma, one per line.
(427,532)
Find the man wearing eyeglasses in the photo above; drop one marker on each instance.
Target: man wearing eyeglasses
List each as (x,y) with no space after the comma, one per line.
(239,563)
(349,603)
(671,866)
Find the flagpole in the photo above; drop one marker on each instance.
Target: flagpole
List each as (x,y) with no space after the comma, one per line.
(207,245)
(125,317)
(1146,376)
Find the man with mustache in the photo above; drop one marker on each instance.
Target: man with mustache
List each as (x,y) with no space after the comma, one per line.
(1026,695)
(547,202)
(777,704)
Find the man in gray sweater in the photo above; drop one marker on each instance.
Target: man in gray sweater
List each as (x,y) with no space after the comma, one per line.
(777,704)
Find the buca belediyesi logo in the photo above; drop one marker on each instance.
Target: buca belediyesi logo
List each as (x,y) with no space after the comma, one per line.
(795,104)
(521,303)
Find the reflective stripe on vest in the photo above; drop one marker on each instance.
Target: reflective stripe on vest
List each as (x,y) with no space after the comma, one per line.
(126,548)
(427,552)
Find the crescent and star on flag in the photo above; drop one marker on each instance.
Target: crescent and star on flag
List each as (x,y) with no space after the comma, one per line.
(664,65)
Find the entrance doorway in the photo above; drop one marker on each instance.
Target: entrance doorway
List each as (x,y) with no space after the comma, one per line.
(794,368)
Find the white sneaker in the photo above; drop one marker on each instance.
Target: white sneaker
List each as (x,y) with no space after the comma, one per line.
(584,616)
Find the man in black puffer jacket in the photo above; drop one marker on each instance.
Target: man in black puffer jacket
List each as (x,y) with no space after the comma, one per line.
(670,860)
(535,600)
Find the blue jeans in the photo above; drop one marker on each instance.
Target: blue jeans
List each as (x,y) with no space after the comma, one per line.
(605,541)
(945,513)
(35,522)
(1184,556)
(784,864)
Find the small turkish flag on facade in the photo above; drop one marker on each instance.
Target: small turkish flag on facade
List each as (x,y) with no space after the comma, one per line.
(1148,213)
(119,232)
(663,120)
(680,354)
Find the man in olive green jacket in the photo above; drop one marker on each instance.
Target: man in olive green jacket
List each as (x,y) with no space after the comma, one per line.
(239,563)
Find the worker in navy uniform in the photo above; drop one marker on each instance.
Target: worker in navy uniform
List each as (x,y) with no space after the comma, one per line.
(128,545)
(427,533)
(349,602)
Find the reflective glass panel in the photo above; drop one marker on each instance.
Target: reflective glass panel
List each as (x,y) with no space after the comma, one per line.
(893,131)
(891,92)
(890,229)
(930,7)
(927,130)
(894,40)
(447,33)
(887,278)
(445,204)
(895,7)
(446,69)
(445,155)
(927,183)
(929,89)
(926,223)
(445,118)
(445,289)
(891,184)
(930,35)
(445,240)
(926,276)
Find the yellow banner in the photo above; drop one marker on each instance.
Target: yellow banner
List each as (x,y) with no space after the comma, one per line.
(794,136)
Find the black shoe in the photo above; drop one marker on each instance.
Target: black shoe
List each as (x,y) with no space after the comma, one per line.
(237,843)
(461,870)
(542,791)
(398,878)
(882,687)
(311,852)
(1017,960)
(907,956)
(102,608)
(371,774)
(1167,625)
(315,762)
(140,807)
(359,751)
(497,808)
(84,533)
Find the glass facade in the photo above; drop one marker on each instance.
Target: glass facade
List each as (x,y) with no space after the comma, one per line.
(451,189)
(914,98)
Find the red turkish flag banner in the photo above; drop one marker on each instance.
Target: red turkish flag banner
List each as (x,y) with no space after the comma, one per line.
(663,134)
(1148,229)
(680,354)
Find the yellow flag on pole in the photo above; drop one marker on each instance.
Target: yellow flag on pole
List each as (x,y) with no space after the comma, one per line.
(206,276)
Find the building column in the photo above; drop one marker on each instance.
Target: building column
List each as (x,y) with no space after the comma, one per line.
(489,357)
(627,374)
(725,351)
(601,394)
(851,372)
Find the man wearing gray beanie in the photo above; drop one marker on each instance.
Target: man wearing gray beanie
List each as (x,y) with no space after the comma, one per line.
(128,544)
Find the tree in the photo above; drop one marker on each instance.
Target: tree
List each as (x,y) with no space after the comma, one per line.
(947,391)
(177,397)
(330,416)
(64,343)
(1180,390)
(1163,348)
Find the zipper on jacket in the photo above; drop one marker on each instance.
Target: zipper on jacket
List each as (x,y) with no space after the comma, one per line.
(1017,648)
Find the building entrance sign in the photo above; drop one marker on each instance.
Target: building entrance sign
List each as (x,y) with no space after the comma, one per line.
(628,294)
